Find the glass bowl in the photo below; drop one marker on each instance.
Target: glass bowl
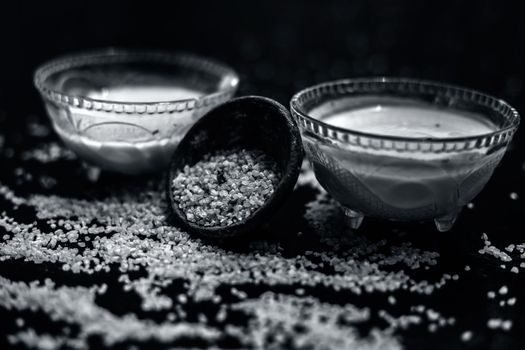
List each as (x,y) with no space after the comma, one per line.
(370,149)
(126,110)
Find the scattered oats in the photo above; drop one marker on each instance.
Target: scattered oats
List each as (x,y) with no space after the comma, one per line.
(273,313)
(238,293)
(399,322)
(30,339)
(49,152)
(503,290)
(77,305)
(470,205)
(494,323)
(202,318)
(467,268)
(513,196)
(391,300)
(506,325)
(511,301)
(92,173)
(466,336)
(125,231)
(37,129)
(494,251)
(420,308)
(10,196)
(221,315)
(491,294)
(514,269)
(47,182)
(20,322)
(103,288)
(300,291)
(432,315)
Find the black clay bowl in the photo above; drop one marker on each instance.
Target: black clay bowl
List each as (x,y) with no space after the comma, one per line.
(250,122)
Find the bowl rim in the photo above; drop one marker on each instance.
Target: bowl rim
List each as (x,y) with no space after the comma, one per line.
(115,55)
(347,87)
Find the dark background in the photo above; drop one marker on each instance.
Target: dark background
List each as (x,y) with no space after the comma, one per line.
(280,47)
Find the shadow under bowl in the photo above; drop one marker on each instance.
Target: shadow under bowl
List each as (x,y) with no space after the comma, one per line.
(394,176)
(126,110)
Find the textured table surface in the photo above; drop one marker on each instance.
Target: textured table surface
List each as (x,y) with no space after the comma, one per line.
(87,258)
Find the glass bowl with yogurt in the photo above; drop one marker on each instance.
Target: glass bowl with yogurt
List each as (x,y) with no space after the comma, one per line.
(126,110)
(402,149)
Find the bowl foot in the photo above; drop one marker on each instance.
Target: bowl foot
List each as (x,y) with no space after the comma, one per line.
(354,219)
(445,222)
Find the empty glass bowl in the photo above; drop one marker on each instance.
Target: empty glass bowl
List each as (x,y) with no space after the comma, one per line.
(402,149)
(126,110)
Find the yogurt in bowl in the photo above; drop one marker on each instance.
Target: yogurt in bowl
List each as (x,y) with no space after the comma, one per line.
(402,149)
(126,110)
